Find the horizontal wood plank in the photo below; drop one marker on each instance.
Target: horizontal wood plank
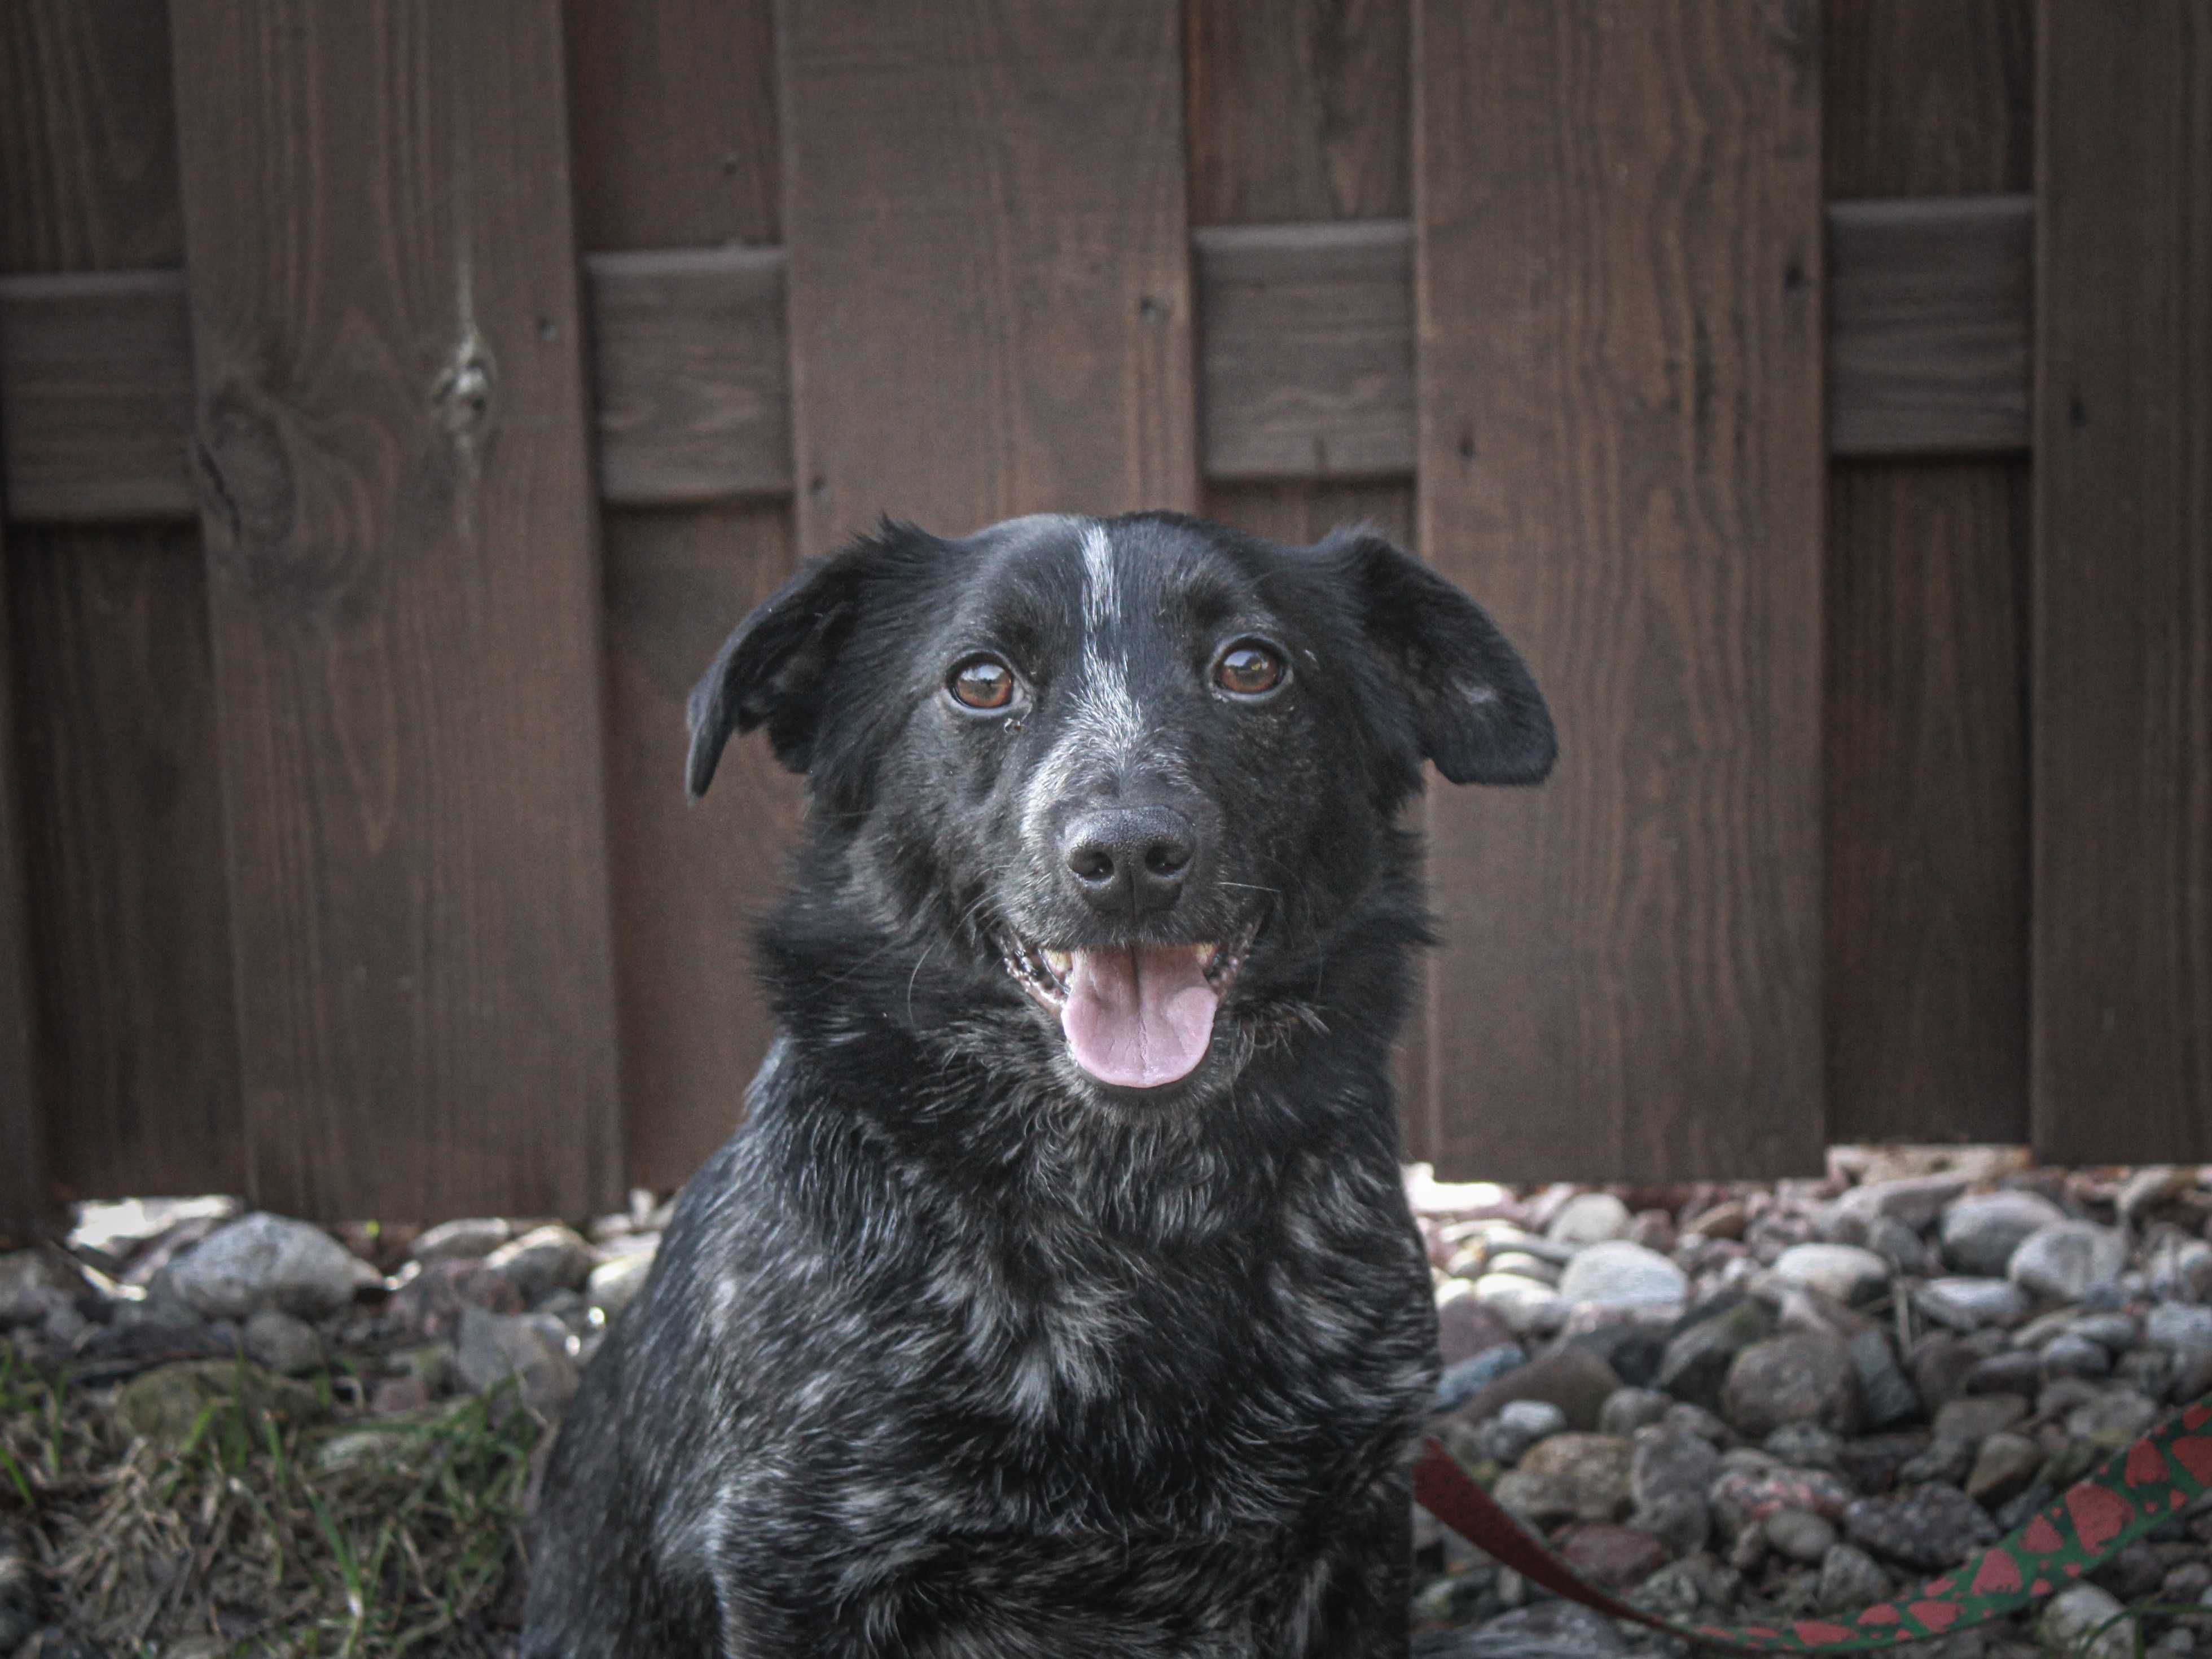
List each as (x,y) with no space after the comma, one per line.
(1306,354)
(95,397)
(1305,361)
(1928,325)
(693,396)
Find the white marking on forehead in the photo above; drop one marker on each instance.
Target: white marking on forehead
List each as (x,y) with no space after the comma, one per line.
(1105,711)
(1101,602)
(1106,728)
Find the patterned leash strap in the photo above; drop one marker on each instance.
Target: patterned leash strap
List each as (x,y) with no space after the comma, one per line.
(2093,1519)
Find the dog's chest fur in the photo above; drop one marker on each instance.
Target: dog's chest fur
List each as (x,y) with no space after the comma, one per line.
(1096,1355)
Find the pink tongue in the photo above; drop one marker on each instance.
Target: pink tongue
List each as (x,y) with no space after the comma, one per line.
(1139,1019)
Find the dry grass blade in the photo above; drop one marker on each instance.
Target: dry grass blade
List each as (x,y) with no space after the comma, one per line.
(253,1532)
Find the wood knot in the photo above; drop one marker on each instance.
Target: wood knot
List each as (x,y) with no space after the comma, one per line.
(242,475)
(461,399)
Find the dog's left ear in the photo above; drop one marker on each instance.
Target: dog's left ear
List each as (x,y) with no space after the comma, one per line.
(772,670)
(1477,712)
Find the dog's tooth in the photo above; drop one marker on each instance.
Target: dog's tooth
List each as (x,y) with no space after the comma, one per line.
(1059,961)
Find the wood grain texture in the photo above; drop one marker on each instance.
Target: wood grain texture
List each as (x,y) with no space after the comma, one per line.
(1928,97)
(1927,807)
(1926,713)
(1305,361)
(689,881)
(130,924)
(87,138)
(658,94)
(1307,368)
(122,824)
(692,397)
(95,397)
(990,289)
(1929,325)
(395,484)
(25,1198)
(1299,110)
(672,121)
(2121,1044)
(1619,391)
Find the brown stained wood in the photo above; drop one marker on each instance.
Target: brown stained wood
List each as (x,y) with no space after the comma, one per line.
(690,881)
(95,397)
(1928,325)
(692,388)
(990,291)
(2121,1045)
(87,136)
(1306,365)
(121,823)
(405,596)
(130,912)
(1304,360)
(672,123)
(25,1198)
(1927,808)
(1927,624)
(1299,110)
(1619,389)
(1928,97)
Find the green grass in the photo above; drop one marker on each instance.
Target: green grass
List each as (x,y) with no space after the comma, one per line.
(255,1534)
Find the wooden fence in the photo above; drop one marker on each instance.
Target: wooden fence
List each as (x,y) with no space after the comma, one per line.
(399,399)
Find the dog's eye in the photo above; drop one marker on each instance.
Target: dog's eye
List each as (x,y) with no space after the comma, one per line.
(1249,669)
(983,682)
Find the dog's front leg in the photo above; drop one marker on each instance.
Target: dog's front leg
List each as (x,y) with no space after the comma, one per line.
(1355,1602)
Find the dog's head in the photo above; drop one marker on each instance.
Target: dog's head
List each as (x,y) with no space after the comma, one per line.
(1129,781)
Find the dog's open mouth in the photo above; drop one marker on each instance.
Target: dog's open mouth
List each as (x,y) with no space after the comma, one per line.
(1136,1016)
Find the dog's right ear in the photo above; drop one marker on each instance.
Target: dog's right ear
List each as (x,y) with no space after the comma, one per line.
(1476,710)
(771,670)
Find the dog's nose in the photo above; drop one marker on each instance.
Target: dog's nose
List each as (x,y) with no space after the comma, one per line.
(1128,857)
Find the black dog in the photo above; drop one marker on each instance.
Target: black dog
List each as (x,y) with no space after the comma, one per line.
(1059,1296)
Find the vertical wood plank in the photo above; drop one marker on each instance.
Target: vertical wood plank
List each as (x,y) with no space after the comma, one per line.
(24,1193)
(1926,721)
(121,817)
(673,127)
(1298,111)
(690,881)
(397,499)
(130,931)
(673,122)
(1619,326)
(989,262)
(2121,1047)
(88,139)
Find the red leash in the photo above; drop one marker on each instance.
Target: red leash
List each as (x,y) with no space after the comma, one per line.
(2092,1521)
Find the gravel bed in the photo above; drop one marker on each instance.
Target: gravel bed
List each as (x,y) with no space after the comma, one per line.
(1721,1400)
(1729,1402)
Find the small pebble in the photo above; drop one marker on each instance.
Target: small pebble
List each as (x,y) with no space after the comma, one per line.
(2085,1622)
(1800,1536)
(282,1343)
(2076,1356)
